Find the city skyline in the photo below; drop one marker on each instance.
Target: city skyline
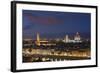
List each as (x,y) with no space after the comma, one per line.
(54,24)
(56,36)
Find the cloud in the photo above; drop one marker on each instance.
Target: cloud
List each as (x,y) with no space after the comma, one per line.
(46,20)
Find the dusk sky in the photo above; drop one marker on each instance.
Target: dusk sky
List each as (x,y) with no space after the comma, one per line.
(49,23)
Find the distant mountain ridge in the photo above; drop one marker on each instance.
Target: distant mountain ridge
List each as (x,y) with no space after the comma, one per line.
(56,35)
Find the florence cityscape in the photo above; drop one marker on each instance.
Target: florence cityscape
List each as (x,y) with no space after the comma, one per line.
(55,36)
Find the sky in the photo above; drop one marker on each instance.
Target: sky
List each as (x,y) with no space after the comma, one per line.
(54,24)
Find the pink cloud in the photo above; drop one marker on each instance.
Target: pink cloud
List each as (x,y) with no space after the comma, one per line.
(43,19)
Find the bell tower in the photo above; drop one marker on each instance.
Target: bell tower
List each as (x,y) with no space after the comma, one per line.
(38,39)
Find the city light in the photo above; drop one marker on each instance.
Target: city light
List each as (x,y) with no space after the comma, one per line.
(56,49)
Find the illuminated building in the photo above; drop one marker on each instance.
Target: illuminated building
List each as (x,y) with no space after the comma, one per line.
(76,39)
(43,42)
(27,42)
(38,39)
(66,39)
(47,42)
